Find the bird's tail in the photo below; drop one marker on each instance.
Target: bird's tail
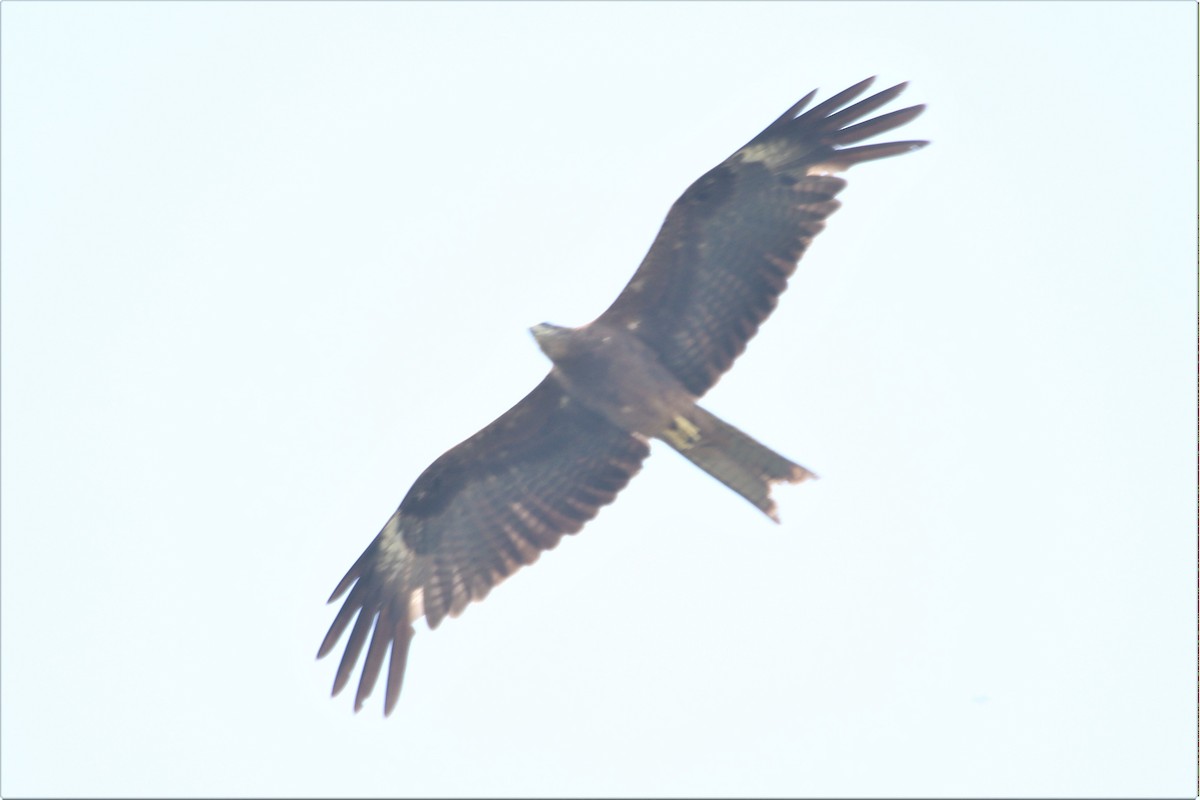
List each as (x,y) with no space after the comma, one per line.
(735,459)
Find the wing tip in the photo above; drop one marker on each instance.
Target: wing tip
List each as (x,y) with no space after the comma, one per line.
(844,159)
(821,135)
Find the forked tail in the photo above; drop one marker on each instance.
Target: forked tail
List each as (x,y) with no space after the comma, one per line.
(735,459)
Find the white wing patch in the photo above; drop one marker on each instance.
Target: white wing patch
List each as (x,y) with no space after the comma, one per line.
(416,603)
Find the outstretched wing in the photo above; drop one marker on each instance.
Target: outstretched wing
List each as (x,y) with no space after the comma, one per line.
(731,241)
(479,513)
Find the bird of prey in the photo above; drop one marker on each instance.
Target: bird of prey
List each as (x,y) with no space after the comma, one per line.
(491,504)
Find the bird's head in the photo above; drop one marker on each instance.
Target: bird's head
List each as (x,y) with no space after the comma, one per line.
(551,338)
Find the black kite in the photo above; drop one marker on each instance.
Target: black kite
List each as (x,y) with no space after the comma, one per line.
(491,504)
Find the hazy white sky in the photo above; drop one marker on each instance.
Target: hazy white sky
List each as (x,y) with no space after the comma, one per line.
(263,262)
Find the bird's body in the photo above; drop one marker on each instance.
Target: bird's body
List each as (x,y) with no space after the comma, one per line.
(613,373)
(494,502)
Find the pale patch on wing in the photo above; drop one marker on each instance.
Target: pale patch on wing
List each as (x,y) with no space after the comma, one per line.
(770,153)
(392,549)
(825,169)
(533,523)
(416,603)
(782,264)
(522,512)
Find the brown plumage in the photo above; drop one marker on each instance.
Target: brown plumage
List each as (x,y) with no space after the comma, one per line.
(493,503)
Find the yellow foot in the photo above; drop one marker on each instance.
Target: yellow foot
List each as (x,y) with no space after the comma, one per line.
(682,433)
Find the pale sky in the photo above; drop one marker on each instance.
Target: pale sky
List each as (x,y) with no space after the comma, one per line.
(263,262)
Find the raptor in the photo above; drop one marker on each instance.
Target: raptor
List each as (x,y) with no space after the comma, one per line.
(494,502)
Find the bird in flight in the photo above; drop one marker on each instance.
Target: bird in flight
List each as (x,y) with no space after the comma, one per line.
(491,504)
